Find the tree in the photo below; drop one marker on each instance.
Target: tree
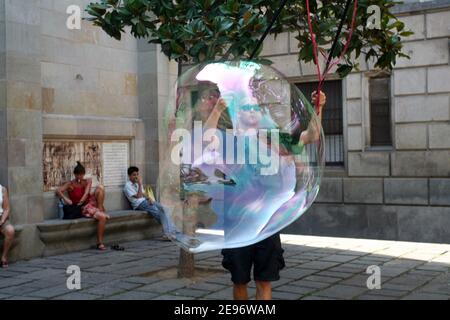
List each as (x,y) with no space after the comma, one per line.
(204,30)
(195,31)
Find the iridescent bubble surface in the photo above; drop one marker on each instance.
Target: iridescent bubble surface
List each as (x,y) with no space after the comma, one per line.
(241,156)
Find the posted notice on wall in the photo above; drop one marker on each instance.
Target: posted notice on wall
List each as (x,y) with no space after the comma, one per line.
(115,163)
(106,162)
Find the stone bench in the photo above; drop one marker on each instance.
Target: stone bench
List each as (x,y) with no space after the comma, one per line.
(62,236)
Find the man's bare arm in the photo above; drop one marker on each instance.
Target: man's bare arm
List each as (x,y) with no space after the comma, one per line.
(140,194)
(214,117)
(312,133)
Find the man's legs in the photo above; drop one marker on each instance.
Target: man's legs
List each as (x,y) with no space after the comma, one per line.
(263,290)
(239,262)
(155,210)
(240,291)
(268,263)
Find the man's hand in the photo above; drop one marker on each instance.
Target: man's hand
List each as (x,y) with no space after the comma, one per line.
(221,105)
(312,133)
(323,99)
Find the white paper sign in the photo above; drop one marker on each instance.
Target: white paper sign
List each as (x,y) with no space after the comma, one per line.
(115,163)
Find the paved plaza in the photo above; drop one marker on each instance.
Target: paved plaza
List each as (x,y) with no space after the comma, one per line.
(316,268)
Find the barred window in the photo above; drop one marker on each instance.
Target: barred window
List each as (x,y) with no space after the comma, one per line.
(332,122)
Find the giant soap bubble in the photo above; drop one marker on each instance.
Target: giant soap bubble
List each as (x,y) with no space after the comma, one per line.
(241,156)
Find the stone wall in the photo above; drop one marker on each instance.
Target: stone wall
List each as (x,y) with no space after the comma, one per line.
(399,192)
(21,169)
(57,83)
(89,87)
(157,79)
(3,133)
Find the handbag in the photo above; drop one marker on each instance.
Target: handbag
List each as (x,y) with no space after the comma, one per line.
(72,212)
(148,192)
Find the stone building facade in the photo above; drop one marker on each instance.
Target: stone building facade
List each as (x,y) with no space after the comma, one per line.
(64,86)
(61,86)
(401,190)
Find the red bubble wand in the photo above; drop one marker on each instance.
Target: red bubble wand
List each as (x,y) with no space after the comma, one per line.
(330,64)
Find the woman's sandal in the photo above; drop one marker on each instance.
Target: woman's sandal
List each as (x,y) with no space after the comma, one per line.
(101,247)
(4,264)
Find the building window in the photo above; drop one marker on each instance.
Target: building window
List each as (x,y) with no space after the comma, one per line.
(380,111)
(331,119)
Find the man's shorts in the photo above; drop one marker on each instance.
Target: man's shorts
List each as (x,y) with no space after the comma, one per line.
(265,256)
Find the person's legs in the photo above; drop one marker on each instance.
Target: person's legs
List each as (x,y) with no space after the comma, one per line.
(100,197)
(239,262)
(159,207)
(155,210)
(268,263)
(101,218)
(8,232)
(240,291)
(263,290)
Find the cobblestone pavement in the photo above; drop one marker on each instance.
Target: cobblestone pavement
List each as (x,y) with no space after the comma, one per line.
(316,268)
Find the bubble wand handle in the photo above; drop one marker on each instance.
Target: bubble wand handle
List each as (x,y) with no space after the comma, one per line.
(322,76)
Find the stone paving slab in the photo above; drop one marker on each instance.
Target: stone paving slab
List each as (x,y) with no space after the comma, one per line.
(133,295)
(317,268)
(357,280)
(387,293)
(49,293)
(310,284)
(188,292)
(21,298)
(295,289)
(324,279)
(79,296)
(281,295)
(373,297)
(19,290)
(425,296)
(341,291)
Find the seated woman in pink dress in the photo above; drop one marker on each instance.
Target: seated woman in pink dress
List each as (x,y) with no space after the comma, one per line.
(91,203)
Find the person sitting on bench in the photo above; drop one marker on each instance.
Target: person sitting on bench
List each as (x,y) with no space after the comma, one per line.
(81,202)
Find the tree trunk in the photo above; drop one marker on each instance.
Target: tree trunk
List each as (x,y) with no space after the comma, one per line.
(186,263)
(186,267)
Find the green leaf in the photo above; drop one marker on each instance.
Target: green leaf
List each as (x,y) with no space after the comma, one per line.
(264,61)
(307,52)
(177,48)
(196,29)
(140,29)
(406,33)
(343,70)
